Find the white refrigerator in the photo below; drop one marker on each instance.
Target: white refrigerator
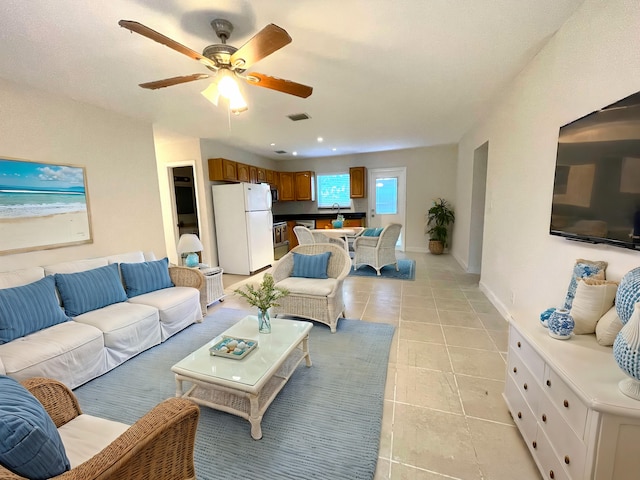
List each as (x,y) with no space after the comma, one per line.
(244,226)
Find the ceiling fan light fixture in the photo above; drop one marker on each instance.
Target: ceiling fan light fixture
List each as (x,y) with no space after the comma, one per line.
(211,93)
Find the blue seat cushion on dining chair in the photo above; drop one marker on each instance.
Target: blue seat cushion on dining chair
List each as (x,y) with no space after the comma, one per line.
(310,266)
(372,232)
(30,445)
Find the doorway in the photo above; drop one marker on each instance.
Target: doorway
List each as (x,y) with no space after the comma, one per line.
(387,199)
(186,204)
(478,202)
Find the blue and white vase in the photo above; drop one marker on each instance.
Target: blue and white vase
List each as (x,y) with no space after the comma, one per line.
(626,347)
(544,317)
(561,324)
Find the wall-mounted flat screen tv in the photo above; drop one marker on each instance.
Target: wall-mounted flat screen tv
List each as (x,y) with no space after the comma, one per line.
(596,193)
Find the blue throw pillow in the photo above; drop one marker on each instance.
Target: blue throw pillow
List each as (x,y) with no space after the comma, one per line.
(30,444)
(145,277)
(85,291)
(372,232)
(29,308)
(310,266)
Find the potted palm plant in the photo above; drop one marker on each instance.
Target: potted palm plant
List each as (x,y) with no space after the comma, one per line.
(264,296)
(439,217)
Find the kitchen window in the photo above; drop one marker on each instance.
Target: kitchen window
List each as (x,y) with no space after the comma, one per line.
(332,189)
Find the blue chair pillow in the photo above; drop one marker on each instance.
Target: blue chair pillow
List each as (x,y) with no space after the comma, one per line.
(89,290)
(29,308)
(310,266)
(372,232)
(145,277)
(30,445)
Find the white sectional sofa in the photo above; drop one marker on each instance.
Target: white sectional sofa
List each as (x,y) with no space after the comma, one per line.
(93,342)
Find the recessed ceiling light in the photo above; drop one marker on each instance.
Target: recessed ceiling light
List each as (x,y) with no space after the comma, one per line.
(334,149)
(320,139)
(295,153)
(273,144)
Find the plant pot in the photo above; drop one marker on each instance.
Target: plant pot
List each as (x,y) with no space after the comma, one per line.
(436,247)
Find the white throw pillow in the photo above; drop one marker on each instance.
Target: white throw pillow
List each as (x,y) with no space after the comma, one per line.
(593,299)
(608,327)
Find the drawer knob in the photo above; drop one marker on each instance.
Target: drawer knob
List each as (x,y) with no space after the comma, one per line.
(519,344)
(566,404)
(551,474)
(525,386)
(519,414)
(548,383)
(544,417)
(515,369)
(534,444)
(567,459)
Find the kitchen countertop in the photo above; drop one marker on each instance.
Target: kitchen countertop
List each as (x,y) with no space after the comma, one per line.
(316,216)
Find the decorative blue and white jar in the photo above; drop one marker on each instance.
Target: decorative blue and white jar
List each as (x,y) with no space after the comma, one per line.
(544,317)
(561,324)
(626,347)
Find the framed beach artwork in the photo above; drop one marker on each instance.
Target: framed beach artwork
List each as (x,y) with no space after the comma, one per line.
(42,206)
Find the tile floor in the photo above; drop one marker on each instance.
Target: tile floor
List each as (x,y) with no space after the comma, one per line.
(444,416)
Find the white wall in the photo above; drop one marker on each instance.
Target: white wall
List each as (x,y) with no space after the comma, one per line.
(431,173)
(118,154)
(591,62)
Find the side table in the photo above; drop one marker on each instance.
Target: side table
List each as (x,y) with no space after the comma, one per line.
(212,289)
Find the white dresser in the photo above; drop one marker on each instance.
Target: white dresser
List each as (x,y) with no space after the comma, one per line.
(564,398)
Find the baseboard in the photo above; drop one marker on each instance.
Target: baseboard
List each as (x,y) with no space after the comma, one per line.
(501,307)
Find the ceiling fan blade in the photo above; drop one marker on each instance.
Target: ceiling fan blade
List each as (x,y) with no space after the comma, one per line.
(160,38)
(262,44)
(284,86)
(167,82)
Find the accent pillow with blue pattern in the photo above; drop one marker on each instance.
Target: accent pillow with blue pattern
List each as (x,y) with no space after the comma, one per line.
(89,290)
(29,308)
(372,232)
(145,277)
(30,445)
(584,269)
(310,266)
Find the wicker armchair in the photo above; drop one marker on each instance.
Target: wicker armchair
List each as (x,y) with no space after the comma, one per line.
(316,299)
(377,251)
(307,237)
(158,446)
(190,277)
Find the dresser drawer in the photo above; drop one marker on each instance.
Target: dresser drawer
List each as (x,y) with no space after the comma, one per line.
(567,402)
(527,354)
(571,451)
(548,462)
(522,415)
(524,379)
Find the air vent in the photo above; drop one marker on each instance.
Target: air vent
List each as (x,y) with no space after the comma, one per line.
(281,151)
(296,117)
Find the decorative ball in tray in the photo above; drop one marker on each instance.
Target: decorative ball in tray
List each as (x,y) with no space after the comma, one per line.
(232,347)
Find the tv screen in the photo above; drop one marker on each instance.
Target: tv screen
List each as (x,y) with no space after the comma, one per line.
(596,192)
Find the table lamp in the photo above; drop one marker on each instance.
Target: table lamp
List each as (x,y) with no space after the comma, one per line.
(190,244)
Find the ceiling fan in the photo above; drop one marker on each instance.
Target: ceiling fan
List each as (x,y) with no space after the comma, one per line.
(227,62)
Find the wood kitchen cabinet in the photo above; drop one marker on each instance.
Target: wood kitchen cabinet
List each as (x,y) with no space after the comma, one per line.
(221,169)
(270,177)
(358,182)
(244,175)
(305,185)
(262,176)
(348,223)
(286,187)
(253,174)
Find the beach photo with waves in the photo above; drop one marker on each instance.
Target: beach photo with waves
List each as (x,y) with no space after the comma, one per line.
(42,206)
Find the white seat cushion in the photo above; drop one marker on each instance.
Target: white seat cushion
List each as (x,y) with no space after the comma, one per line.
(309,286)
(70,352)
(85,436)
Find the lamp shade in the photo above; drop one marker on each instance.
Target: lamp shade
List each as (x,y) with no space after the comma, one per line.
(189,243)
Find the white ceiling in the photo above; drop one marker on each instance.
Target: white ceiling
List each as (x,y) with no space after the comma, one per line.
(387,74)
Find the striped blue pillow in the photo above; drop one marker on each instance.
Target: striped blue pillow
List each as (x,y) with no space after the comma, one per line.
(145,277)
(310,266)
(30,444)
(29,308)
(89,290)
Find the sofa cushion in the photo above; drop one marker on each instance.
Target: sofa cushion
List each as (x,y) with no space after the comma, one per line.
(17,278)
(308,286)
(129,257)
(29,308)
(372,232)
(75,266)
(30,445)
(85,291)
(145,277)
(310,266)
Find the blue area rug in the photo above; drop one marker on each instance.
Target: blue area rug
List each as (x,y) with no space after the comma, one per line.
(407,271)
(325,423)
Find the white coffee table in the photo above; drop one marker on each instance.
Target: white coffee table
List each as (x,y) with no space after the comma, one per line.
(245,387)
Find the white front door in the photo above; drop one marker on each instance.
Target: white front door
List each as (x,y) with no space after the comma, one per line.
(387,199)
